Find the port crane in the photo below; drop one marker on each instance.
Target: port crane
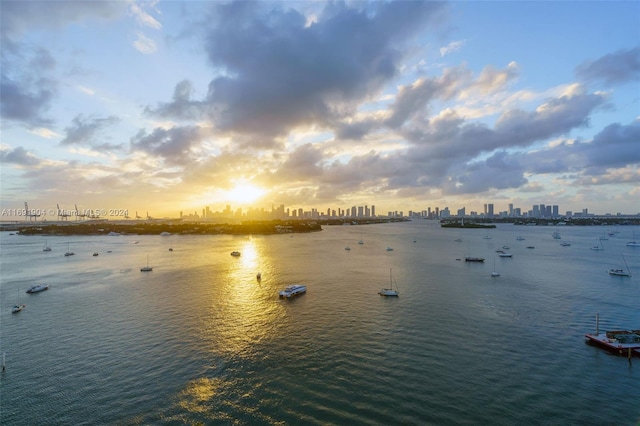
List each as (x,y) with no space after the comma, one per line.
(78,214)
(62,214)
(28,215)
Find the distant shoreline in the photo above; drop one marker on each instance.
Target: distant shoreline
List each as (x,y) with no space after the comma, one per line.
(187,228)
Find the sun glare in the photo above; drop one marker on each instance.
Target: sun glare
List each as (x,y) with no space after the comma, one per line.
(245,193)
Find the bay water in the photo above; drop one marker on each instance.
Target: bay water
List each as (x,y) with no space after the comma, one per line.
(199,340)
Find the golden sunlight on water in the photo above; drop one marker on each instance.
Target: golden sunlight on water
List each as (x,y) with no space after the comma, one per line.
(243,312)
(196,396)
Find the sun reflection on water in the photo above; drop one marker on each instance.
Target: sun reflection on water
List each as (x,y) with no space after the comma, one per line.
(246,316)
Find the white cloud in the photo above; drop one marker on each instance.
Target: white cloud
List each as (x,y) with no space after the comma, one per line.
(144,44)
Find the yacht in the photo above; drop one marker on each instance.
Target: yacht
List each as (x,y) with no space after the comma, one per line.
(38,288)
(292,290)
(621,272)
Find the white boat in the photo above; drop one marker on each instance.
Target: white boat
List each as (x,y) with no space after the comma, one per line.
(505,255)
(147,268)
(360,242)
(18,308)
(389,291)
(556,235)
(494,273)
(46,247)
(38,288)
(621,272)
(565,244)
(292,290)
(235,253)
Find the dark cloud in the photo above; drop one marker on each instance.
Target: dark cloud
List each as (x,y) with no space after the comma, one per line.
(18,156)
(181,107)
(615,68)
(615,146)
(84,130)
(279,72)
(176,145)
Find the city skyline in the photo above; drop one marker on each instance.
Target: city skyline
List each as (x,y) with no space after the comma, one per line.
(141,106)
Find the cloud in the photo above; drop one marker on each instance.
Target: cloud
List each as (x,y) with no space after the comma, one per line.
(454,46)
(84,130)
(615,68)
(144,18)
(144,44)
(177,145)
(280,72)
(182,107)
(18,156)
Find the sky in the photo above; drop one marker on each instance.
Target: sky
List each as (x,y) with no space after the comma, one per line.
(160,107)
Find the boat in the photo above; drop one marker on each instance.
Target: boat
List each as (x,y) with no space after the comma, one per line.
(46,247)
(633,244)
(494,273)
(69,252)
(147,268)
(347,248)
(519,238)
(360,242)
(556,235)
(458,240)
(18,308)
(505,255)
(292,291)
(621,272)
(95,253)
(389,291)
(235,253)
(473,259)
(600,247)
(565,244)
(505,247)
(486,237)
(389,249)
(259,276)
(38,288)
(530,247)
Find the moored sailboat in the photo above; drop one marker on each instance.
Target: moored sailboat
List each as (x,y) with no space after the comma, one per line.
(389,291)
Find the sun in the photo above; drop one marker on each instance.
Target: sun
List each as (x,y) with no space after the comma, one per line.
(245,193)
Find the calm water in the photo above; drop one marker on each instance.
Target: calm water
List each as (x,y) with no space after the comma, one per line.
(199,340)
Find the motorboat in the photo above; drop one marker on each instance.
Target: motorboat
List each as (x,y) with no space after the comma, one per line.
(38,288)
(473,259)
(235,253)
(505,254)
(565,244)
(95,253)
(18,308)
(292,290)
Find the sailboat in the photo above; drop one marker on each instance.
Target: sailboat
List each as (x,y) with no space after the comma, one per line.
(389,291)
(46,246)
(494,273)
(600,247)
(147,268)
(626,272)
(69,252)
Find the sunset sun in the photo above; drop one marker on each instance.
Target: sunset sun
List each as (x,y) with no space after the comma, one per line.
(245,193)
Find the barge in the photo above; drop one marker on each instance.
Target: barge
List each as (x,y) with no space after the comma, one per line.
(620,342)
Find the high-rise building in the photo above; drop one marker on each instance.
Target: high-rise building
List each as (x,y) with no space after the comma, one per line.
(490,210)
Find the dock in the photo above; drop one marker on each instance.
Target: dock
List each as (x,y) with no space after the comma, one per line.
(621,342)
